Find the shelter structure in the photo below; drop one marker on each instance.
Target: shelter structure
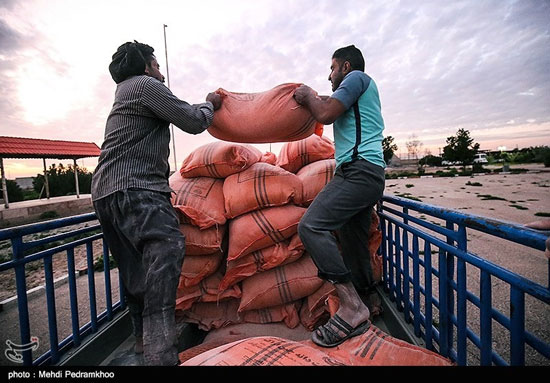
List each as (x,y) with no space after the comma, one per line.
(18,147)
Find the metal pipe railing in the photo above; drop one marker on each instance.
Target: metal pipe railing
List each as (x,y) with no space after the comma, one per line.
(402,271)
(22,254)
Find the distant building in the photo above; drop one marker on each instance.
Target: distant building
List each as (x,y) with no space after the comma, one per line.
(24,183)
(397,162)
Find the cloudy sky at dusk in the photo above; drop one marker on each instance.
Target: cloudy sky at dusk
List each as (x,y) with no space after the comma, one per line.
(440,65)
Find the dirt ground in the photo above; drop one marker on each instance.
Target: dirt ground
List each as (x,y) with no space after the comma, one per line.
(515,198)
(35,270)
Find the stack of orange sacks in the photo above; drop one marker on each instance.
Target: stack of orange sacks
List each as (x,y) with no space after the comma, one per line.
(240,211)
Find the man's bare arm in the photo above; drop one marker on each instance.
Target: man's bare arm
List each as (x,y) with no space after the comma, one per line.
(323,108)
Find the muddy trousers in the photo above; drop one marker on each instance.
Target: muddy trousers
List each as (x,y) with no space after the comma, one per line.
(344,207)
(142,232)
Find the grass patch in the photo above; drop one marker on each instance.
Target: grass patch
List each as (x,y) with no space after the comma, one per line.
(485,197)
(408,186)
(409,196)
(100,266)
(49,215)
(473,184)
(542,214)
(519,207)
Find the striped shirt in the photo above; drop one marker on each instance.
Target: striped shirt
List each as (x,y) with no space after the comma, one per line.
(135,150)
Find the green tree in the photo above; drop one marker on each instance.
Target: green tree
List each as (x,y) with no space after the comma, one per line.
(61,180)
(430,160)
(15,194)
(460,148)
(388,147)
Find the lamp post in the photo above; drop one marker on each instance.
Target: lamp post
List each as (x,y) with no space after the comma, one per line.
(168,79)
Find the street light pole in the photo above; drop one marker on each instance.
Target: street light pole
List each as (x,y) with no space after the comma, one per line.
(168,79)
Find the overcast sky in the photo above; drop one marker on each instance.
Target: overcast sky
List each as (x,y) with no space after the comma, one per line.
(439,65)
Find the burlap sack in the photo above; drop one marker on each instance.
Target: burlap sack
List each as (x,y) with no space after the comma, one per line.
(262,228)
(199,201)
(261,185)
(296,155)
(219,160)
(270,116)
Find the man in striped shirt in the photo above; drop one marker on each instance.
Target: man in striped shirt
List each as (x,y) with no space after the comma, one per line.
(131,194)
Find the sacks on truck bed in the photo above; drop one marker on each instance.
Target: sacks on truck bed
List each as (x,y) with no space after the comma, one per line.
(261,185)
(262,228)
(214,315)
(195,268)
(262,260)
(319,306)
(270,116)
(295,155)
(314,177)
(375,239)
(220,159)
(200,242)
(373,348)
(263,351)
(280,285)
(377,348)
(206,291)
(198,200)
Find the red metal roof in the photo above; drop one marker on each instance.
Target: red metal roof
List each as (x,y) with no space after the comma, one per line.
(18,147)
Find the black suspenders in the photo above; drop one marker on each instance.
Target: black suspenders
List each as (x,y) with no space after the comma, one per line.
(357,130)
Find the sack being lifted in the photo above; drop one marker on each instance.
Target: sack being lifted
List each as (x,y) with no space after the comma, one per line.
(271,116)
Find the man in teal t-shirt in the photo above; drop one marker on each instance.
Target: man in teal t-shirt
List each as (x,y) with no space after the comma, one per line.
(345,204)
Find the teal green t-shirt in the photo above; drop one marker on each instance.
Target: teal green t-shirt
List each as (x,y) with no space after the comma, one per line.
(358,86)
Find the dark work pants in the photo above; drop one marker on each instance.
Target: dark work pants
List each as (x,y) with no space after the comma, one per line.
(344,206)
(142,232)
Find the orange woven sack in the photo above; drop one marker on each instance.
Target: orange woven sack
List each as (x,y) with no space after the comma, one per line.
(375,240)
(261,185)
(280,285)
(295,155)
(219,160)
(269,157)
(262,228)
(271,116)
(206,291)
(199,200)
(314,177)
(315,307)
(260,260)
(376,348)
(200,242)
(214,315)
(263,351)
(286,313)
(197,267)
(320,315)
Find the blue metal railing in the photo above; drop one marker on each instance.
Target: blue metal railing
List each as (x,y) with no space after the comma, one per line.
(410,273)
(22,255)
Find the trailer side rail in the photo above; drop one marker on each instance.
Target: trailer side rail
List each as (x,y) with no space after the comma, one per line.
(426,266)
(44,250)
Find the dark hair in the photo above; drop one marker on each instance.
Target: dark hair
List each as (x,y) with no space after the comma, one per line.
(352,55)
(130,59)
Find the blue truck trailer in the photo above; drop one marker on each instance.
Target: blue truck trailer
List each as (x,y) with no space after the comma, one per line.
(435,292)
